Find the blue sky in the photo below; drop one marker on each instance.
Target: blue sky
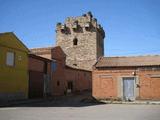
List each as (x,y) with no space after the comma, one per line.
(132,26)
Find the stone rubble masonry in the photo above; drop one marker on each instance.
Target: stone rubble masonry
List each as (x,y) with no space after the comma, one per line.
(90,41)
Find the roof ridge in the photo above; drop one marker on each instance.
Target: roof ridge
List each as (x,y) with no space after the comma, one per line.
(149,60)
(6,32)
(130,56)
(42,47)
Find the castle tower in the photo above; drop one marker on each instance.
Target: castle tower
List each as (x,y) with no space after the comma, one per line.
(82,40)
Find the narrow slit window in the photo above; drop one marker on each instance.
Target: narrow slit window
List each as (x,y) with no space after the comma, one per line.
(75,64)
(75,41)
(58,83)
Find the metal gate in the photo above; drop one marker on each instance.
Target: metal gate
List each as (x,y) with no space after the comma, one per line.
(128,88)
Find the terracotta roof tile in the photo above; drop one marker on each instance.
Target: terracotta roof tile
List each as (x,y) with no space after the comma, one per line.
(43,52)
(128,61)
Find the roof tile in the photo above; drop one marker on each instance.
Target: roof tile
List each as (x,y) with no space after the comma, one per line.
(128,61)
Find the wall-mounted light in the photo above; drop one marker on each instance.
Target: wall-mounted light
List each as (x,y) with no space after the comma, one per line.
(134,73)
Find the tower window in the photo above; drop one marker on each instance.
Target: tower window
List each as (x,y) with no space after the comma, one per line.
(75,64)
(75,41)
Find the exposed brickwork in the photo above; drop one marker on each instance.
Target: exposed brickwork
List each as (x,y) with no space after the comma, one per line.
(89,45)
(81,79)
(106,80)
(39,76)
(63,74)
(36,65)
(149,84)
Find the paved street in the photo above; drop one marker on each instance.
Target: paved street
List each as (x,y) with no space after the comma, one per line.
(68,110)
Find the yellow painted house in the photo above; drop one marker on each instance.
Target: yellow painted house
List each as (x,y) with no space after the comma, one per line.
(13,67)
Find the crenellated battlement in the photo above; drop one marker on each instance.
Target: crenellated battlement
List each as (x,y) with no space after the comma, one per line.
(84,23)
(82,40)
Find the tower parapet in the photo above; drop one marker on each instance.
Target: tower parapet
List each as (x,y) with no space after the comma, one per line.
(86,22)
(89,37)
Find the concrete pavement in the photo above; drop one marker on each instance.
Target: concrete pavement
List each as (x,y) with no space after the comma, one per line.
(91,112)
(77,108)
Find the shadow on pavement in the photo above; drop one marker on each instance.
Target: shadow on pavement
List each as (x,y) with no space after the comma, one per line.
(83,100)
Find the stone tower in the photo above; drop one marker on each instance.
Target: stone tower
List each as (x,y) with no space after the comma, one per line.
(82,40)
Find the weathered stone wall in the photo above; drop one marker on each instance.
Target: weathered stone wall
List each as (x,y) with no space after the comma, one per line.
(89,37)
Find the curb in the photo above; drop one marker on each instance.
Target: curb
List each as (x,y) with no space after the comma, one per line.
(134,102)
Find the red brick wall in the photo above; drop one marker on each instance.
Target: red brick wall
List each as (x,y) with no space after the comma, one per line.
(58,76)
(149,86)
(81,79)
(35,64)
(36,75)
(105,83)
(105,87)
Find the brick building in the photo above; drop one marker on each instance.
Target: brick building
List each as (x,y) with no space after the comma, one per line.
(64,78)
(39,76)
(127,78)
(82,40)
(68,79)
(79,43)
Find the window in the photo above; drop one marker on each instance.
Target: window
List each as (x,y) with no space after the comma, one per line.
(75,41)
(54,66)
(58,83)
(75,64)
(10,59)
(70,85)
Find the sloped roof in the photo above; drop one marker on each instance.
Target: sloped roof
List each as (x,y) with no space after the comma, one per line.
(128,61)
(9,39)
(72,68)
(43,52)
(40,57)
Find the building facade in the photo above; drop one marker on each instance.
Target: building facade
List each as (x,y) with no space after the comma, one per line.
(127,78)
(82,40)
(64,79)
(39,76)
(13,68)
(67,79)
